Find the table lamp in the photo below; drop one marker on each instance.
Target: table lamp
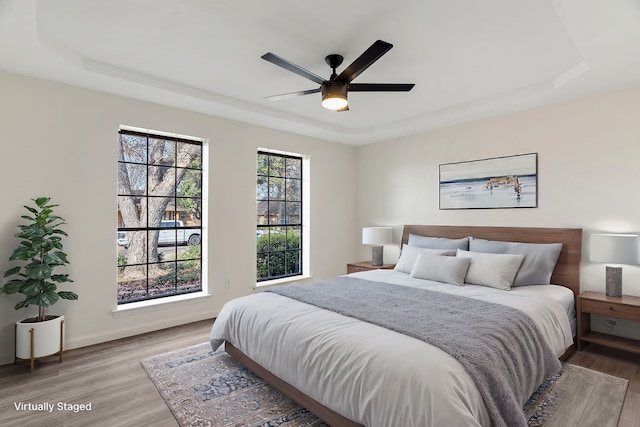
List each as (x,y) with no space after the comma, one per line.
(616,249)
(376,237)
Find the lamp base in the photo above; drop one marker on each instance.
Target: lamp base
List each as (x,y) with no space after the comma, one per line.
(376,255)
(614,281)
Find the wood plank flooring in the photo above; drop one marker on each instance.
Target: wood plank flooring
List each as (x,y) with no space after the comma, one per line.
(109,376)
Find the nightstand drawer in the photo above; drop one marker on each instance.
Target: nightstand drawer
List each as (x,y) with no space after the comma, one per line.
(609,309)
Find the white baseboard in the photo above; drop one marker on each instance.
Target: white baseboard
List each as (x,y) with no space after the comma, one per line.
(6,357)
(132,331)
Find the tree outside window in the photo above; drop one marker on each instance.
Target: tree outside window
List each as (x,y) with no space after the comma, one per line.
(159,216)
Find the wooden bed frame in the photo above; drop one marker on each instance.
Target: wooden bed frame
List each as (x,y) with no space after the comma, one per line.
(566,273)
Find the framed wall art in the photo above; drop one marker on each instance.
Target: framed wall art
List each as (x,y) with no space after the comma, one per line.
(500,182)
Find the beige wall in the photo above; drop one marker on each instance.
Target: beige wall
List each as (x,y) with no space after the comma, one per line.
(588,155)
(60,141)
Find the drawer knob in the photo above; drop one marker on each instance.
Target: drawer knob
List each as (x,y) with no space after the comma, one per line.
(610,308)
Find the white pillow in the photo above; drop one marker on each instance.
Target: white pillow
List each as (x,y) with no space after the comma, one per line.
(410,254)
(494,270)
(440,268)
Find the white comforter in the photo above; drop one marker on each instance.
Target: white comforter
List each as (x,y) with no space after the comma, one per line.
(367,373)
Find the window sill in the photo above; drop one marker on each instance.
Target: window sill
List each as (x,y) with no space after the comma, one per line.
(159,304)
(276,282)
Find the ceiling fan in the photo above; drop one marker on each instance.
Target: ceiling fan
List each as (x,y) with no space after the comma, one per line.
(335,89)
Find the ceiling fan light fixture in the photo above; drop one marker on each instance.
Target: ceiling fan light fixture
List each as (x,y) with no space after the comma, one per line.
(335,89)
(334,95)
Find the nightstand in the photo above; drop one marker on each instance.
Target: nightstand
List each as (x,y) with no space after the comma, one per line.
(354,267)
(624,307)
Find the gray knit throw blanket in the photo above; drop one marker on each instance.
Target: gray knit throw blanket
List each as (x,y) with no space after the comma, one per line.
(501,348)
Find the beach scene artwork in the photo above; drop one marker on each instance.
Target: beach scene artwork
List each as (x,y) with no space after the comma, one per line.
(501,182)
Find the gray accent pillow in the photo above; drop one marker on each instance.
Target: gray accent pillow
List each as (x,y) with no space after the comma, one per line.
(438,242)
(539,258)
(446,269)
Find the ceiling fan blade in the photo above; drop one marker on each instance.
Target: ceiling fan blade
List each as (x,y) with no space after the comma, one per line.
(290,66)
(292,94)
(380,87)
(371,55)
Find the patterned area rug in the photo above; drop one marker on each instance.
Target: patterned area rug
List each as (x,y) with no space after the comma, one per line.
(206,388)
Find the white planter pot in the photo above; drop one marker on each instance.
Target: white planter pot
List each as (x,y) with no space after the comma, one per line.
(47,340)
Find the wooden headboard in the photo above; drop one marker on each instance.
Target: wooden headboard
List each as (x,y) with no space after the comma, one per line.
(567,271)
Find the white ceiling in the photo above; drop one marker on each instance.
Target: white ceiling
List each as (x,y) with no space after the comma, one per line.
(469,59)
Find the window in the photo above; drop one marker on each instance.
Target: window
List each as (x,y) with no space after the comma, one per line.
(159,216)
(279,215)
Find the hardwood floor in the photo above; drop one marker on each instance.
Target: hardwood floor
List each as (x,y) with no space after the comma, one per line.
(109,376)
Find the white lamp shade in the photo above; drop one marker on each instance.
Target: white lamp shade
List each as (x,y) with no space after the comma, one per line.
(615,248)
(376,235)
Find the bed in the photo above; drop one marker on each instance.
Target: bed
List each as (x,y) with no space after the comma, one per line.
(351,372)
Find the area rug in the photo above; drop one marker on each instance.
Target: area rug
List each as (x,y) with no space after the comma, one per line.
(206,388)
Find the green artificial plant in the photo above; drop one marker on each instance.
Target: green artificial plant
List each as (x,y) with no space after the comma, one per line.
(41,248)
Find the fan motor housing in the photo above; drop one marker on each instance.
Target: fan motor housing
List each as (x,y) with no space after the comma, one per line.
(334,94)
(334,88)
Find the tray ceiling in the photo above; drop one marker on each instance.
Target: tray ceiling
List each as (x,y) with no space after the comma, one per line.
(468,59)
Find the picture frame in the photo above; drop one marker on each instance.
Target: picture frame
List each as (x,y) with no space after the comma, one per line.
(493,183)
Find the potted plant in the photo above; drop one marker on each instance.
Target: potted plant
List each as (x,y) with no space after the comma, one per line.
(39,253)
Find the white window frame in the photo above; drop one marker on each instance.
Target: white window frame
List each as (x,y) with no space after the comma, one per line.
(144,306)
